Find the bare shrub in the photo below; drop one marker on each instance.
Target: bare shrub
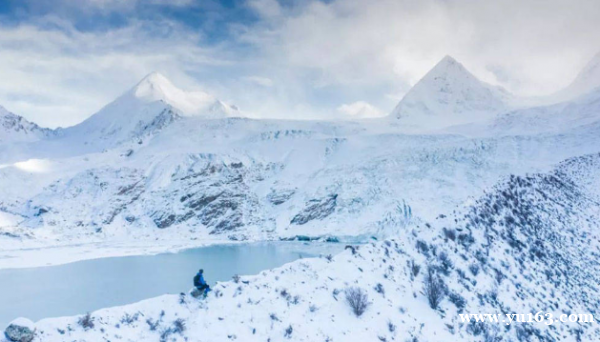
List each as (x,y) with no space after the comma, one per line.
(165,334)
(379,289)
(474,268)
(450,234)
(358,300)
(128,319)
(288,331)
(86,321)
(152,324)
(458,300)
(179,326)
(435,289)
(414,269)
(422,247)
(391,326)
(155,324)
(334,293)
(446,264)
(182,300)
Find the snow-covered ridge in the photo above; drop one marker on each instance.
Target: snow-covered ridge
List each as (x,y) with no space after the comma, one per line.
(15,128)
(156,87)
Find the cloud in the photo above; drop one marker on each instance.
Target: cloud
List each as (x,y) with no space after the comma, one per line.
(360,110)
(283,59)
(261,81)
(530,47)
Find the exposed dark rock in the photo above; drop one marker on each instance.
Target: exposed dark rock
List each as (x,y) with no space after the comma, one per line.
(20,330)
(164,220)
(41,211)
(316,209)
(278,197)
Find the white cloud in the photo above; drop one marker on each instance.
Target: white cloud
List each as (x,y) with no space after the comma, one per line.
(360,110)
(302,58)
(261,81)
(529,46)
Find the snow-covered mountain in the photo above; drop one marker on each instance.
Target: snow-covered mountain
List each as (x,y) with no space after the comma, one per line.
(449,95)
(506,219)
(158,159)
(15,128)
(151,105)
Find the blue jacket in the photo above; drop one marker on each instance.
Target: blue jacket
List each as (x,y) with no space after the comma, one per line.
(199,279)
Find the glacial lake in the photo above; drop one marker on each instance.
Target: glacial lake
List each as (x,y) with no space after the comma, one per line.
(89,285)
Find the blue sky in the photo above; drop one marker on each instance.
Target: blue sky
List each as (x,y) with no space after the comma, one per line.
(62,60)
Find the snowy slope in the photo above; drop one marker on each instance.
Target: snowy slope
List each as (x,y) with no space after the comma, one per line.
(449,95)
(579,112)
(490,257)
(586,81)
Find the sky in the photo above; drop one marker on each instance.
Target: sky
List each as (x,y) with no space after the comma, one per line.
(63,60)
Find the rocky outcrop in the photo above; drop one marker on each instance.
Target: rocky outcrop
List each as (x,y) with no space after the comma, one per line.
(316,209)
(20,330)
(281,196)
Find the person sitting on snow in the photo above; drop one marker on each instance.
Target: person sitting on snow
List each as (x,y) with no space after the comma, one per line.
(200,283)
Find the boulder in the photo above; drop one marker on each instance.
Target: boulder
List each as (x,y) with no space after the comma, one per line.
(20,330)
(195,293)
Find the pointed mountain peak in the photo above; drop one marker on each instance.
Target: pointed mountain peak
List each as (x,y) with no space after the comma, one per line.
(447,95)
(154,79)
(147,108)
(155,87)
(447,60)
(448,67)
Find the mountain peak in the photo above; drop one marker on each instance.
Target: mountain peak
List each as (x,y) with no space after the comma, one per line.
(448,95)
(154,87)
(447,60)
(147,108)
(448,67)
